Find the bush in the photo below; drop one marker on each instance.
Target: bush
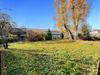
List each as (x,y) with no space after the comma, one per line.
(79,35)
(10,39)
(85,30)
(48,35)
(1,41)
(35,35)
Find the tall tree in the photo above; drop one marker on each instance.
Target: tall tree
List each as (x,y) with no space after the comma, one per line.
(48,35)
(78,12)
(85,29)
(62,17)
(6,24)
(70,13)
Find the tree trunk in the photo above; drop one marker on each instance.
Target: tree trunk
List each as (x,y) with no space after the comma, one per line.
(6,41)
(2,40)
(75,35)
(70,33)
(5,44)
(99,68)
(6,47)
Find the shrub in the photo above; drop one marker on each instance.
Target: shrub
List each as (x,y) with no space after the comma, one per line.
(10,39)
(35,35)
(85,30)
(48,35)
(79,35)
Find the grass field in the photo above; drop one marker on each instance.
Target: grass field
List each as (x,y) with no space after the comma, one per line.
(99,37)
(59,57)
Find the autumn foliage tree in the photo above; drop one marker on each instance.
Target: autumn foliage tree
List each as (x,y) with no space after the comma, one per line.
(35,35)
(70,14)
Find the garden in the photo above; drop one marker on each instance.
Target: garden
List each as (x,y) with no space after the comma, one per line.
(56,57)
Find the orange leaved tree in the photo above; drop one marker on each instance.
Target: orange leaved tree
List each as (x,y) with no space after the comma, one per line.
(70,14)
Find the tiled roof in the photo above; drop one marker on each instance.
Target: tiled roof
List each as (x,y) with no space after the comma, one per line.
(22,27)
(55,30)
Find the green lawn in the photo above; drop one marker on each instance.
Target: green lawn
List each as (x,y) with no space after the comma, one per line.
(98,37)
(59,57)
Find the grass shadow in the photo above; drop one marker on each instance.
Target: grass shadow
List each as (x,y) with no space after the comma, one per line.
(27,62)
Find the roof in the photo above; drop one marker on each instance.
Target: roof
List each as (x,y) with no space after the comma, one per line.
(22,27)
(55,31)
(95,30)
(50,30)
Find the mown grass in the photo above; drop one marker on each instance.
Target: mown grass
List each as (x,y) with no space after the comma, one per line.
(59,57)
(98,37)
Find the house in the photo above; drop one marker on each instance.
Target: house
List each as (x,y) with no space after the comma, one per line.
(56,34)
(95,33)
(23,28)
(22,32)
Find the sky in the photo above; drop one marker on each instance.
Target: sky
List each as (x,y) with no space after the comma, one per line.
(40,13)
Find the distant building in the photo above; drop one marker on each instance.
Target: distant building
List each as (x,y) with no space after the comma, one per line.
(95,33)
(56,34)
(23,28)
(22,32)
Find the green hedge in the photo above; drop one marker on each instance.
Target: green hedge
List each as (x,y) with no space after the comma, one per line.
(10,39)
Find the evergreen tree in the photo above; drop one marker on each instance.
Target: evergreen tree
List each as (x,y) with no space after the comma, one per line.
(48,35)
(85,30)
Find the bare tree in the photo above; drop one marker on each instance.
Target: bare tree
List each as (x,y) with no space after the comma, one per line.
(6,24)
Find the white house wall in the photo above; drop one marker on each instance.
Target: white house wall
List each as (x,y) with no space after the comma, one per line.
(94,33)
(56,35)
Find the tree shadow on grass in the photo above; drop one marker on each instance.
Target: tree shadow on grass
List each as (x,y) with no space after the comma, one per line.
(60,42)
(84,65)
(19,63)
(51,42)
(13,67)
(24,50)
(34,61)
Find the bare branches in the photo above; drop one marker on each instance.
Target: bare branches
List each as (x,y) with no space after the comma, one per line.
(6,8)
(6,24)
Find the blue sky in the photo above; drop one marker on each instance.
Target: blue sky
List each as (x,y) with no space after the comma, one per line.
(40,13)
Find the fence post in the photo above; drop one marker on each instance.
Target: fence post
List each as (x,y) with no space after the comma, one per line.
(98,68)
(0,62)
